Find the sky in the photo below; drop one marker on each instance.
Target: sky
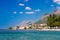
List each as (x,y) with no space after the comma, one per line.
(16,12)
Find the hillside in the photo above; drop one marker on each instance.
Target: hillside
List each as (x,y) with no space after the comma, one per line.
(45,17)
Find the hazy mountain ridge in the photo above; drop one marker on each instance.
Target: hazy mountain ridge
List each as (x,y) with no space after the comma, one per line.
(44,18)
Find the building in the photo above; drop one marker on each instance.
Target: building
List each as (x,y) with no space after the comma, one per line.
(37,26)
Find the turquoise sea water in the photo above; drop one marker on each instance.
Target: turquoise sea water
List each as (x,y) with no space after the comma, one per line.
(29,35)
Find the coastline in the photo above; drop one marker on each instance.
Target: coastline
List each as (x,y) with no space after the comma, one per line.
(42,29)
(34,29)
(49,29)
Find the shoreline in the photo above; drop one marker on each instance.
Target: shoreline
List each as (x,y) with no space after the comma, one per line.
(49,29)
(42,29)
(35,29)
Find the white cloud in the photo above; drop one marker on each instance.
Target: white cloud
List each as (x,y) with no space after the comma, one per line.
(20,12)
(26,0)
(56,1)
(28,8)
(21,4)
(14,12)
(30,12)
(37,10)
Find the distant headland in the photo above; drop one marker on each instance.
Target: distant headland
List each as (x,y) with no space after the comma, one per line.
(48,21)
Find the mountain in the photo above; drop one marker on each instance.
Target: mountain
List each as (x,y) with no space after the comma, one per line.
(57,12)
(44,18)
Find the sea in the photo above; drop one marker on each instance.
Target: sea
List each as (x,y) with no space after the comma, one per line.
(29,35)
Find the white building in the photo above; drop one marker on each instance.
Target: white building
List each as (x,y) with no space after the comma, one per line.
(21,27)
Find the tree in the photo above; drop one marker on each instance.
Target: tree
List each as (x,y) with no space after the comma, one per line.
(56,24)
(50,21)
(57,18)
(53,20)
(10,28)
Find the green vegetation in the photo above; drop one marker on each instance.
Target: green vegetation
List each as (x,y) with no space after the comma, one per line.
(10,28)
(53,20)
